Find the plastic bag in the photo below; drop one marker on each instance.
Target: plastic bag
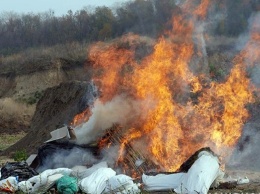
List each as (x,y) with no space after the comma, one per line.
(241,181)
(67,185)
(121,184)
(82,172)
(17,169)
(95,183)
(201,175)
(25,186)
(9,185)
(44,181)
(162,181)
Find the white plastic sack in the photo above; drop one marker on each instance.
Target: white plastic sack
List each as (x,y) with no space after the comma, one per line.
(44,181)
(82,172)
(201,175)
(25,186)
(161,182)
(218,179)
(241,181)
(95,183)
(10,184)
(121,184)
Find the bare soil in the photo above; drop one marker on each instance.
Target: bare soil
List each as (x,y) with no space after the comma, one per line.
(55,109)
(252,187)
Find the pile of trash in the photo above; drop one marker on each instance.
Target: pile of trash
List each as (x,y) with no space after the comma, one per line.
(97,179)
(203,174)
(198,174)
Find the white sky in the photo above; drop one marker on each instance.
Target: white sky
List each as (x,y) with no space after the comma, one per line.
(60,7)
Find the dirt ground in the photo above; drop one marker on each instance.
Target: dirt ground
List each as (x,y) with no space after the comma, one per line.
(252,187)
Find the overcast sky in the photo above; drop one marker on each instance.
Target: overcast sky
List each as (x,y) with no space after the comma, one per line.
(60,7)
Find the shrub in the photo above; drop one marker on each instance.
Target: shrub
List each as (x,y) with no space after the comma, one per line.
(20,155)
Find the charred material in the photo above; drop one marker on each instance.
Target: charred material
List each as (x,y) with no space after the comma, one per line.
(57,154)
(189,162)
(130,161)
(17,169)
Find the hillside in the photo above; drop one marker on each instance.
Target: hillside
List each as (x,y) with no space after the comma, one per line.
(25,85)
(55,109)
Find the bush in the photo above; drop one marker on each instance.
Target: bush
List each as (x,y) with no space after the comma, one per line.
(20,155)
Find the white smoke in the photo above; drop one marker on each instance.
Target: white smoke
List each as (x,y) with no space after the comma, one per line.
(120,110)
(75,156)
(200,42)
(246,155)
(110,155)
(255,46)
(244,38)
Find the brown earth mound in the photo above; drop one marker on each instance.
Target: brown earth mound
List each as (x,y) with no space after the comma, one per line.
(55,109)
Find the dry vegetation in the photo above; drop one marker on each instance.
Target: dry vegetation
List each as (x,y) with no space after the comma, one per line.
(12,109)
(10,139)
(7,140)
(72,51)
(14,112)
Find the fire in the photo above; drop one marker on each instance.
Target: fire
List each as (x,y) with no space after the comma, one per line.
(80,118)
(184,115)
(133,135)
(201,11)
(115,62)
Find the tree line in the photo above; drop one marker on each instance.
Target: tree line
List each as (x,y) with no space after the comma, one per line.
(144,17)
(20,31)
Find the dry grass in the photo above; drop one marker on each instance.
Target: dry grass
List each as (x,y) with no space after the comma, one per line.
(7,140)
(74,51)
(15,111)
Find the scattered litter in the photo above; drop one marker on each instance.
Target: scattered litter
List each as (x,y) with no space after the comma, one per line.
(241,181)
(31,159)
(61,133)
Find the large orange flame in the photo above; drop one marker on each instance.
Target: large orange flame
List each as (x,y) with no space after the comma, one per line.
(185,115)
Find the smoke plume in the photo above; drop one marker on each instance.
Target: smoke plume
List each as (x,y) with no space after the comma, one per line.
(246,154)
(120,110)
(75,156)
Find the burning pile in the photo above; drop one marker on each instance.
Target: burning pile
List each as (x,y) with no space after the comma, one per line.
(167,108)
(154,112)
